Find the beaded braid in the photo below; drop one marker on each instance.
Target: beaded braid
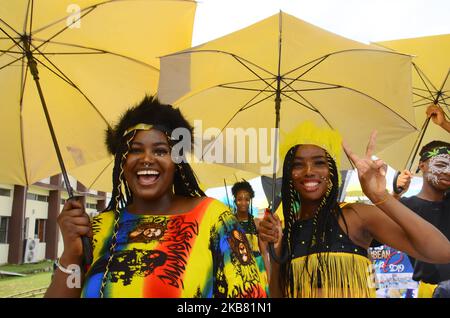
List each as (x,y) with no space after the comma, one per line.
(117,203)
(185,183)
(289,197)
(251,219)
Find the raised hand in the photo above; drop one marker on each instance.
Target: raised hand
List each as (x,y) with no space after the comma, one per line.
(436,114)
(371,173)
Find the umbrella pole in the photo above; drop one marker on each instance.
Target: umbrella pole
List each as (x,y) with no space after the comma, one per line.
(34,72)
(87,249)
(412,155)
(283,257)
(226,192)
(275,157)
(399,190)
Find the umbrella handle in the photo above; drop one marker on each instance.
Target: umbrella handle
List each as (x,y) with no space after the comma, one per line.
(396,189)
(87,247)
(280,260)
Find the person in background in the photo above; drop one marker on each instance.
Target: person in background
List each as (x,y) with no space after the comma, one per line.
(243,194)
(432,203)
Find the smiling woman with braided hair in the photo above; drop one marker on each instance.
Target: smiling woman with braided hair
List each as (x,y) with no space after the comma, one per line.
(322,251)
(243,194)
(160,236)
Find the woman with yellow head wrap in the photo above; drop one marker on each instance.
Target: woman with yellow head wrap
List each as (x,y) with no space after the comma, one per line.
(323,246)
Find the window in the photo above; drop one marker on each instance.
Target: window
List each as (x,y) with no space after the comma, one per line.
(4,222)
(37,197)
(91,206)
(39,229)
(25,228)
(5,192)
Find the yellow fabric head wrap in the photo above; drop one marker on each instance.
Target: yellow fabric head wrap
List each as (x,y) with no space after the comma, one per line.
(138,127)
(308,133)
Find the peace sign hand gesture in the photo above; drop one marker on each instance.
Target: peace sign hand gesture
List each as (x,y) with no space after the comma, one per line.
(371,173)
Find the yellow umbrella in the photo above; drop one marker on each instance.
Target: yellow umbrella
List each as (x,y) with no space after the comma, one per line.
(85,61)
(431,67)
(281,71)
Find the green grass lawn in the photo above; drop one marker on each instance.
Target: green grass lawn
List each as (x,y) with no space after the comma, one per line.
(38,275)
(14,285)
(27,268)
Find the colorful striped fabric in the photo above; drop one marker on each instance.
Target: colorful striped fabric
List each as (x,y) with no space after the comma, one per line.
(202,253)
(252,237)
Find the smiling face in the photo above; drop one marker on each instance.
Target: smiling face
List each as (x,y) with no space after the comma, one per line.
(149,169)
(310,172)
(243,201)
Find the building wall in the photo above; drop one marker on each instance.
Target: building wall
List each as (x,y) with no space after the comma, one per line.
(37,210)
(6,202)
(4,249)
(5,210)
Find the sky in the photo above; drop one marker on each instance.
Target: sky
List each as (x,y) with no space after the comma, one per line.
(361,20)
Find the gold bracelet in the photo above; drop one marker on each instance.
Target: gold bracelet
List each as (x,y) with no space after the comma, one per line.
(382,201)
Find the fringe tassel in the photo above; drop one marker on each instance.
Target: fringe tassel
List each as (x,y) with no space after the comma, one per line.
(344,275)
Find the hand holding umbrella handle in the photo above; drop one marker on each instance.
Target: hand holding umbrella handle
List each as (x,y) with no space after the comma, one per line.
(283,258)
(401,182)
(397,189)
(87,247)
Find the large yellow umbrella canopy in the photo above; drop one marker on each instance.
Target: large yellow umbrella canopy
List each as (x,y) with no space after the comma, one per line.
(94,59)
(234,81)
(431,83)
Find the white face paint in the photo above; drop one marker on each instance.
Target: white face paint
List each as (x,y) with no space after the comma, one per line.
(437,167)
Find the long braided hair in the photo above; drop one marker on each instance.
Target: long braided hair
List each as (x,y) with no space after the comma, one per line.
(321,236)
(164,118)
(245,186)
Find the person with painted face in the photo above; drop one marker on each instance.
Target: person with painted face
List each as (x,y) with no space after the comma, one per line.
(322,250)
(160,236)
(243,194)
(437,115)
(432,203)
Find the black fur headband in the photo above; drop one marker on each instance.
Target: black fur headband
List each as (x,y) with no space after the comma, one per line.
(149,111)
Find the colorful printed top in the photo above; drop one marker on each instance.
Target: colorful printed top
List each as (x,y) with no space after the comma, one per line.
(249,228)
(202,253)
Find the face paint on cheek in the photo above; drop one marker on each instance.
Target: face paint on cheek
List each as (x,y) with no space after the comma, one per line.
(438,165)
